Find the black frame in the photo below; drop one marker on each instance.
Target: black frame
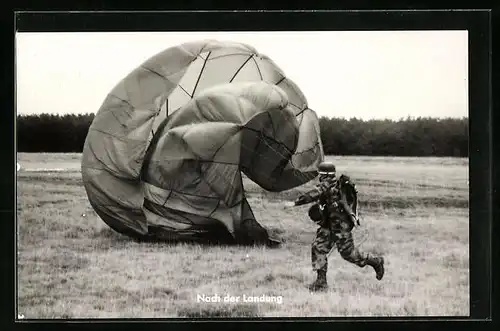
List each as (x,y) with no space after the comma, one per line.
(478,24)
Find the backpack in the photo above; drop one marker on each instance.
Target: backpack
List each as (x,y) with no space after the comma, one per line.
(349,192)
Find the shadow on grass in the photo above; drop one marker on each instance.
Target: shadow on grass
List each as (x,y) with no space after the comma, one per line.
(108,236)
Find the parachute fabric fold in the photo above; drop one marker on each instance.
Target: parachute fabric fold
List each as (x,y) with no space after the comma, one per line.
(164,155)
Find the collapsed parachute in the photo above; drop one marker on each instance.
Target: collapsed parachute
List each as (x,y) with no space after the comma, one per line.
(164,155)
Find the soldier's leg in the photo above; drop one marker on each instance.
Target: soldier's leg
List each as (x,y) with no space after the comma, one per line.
(350,253)
(321,246)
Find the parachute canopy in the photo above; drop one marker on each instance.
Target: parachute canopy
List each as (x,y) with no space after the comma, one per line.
(165,153)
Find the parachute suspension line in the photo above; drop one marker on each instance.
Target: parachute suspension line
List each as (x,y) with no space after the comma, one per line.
(224,144)
(150,148)
(309,149)
(202,49)
(168,197)
(261,155)
(222,178)
(296,106)
(301,176)
(124,101)
(215,209)
(270,138)
(157,114)
(226,182)
(279,81)
(258,68)
(201,72)
(296,173)
(241,67)
(121,99)
(182,88)
(199,160)
(116,118)
(271,122)
(255,149)
(301,112)
(241,203)
(259,142)
(154,72)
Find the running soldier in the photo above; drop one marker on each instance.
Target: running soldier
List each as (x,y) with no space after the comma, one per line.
(335,211)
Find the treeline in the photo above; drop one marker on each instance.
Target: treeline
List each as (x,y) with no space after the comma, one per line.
(52,133)
(405,137)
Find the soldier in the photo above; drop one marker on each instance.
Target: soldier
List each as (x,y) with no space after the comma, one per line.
(333,213)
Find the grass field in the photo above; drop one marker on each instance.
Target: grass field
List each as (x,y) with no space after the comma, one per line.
(413,210)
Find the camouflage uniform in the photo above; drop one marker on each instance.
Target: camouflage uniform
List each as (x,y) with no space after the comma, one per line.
(326,238)
(336,218)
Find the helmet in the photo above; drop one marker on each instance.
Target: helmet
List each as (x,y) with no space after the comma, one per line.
(326,168)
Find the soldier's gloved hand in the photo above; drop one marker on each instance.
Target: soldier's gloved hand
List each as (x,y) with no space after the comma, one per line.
(300,201)
(355,219)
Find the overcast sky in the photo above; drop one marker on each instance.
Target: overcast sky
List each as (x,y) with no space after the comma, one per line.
(366,74)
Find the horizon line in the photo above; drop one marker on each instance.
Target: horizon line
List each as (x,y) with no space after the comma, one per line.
(319,117)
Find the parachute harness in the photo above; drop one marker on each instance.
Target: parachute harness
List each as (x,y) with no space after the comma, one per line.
(363,234)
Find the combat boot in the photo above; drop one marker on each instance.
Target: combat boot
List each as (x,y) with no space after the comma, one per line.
(378,265)
(320,284)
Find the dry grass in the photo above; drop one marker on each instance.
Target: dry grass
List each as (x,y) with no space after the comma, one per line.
(414,211)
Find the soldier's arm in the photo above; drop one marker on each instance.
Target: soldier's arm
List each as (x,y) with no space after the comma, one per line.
(346,207)
(349,211)
(310,196)
(343,202)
